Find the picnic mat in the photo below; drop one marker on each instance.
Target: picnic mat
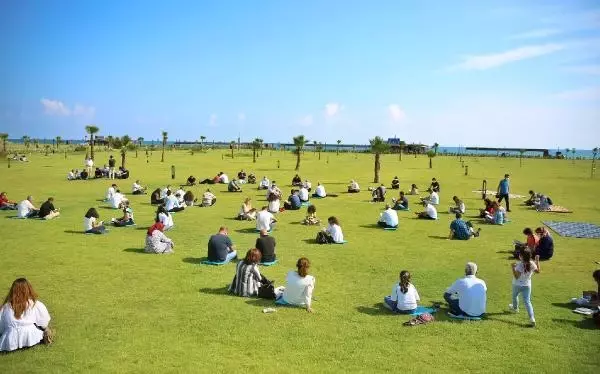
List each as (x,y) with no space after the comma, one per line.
(493,193)
(557,209)
(574,229)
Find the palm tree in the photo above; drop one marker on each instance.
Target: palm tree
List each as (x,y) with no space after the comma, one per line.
(26,141)
(435,148)
(140,141)
(202,138)
(58,141)
(315,145)
(319,149)
(402,144)
(338,146)
(299,143)
(573,150)
(36,143)
(521,152)
(165,136)
(92,130)
(431,154)
(47,148)
(256,144)
(125,144)
(594,154)
(3,137)
(378,146)
(110,140)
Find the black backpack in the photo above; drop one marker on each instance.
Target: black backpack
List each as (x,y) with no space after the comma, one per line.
(549,200)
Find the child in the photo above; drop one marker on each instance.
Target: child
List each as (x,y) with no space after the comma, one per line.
(127,219)
(311,217)
(404,296)
(521,284)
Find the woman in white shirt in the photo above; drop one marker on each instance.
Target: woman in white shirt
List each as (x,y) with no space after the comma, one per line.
(91,224)
(320,191)
(164,217)
(23,318)
(334,231)
(274,203)
(404,296)
(247,212)
(460,206)
(299,287)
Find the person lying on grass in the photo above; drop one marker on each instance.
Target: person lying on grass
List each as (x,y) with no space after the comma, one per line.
(389,218)
(404,296)
(220,247)
(126,219)
(467,296)
(459,206)
(353,187)
(157,241)
(461,230)
(401,203)
(26,209)
(429,213)
(247,278)
(299,286)
(91,225)
(6,204)
(164,217)
(395,183)
(23,318)
(311,216)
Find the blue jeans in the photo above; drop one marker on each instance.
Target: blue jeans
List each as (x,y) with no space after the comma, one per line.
(453,305)
(393,306)
(230,256)
(526,293)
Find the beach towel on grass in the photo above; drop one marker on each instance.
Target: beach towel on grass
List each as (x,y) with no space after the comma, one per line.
(574,229)
(494,193)
(268,263)
(557,209)
(465,318)
(208,262)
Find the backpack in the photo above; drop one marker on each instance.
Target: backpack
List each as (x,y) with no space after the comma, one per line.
(322,238)
(267,289)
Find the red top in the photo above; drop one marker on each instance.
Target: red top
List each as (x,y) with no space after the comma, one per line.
(4,200)
(532,241)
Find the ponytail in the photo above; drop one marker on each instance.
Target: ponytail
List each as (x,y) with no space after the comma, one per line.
(526,258)
(404,281)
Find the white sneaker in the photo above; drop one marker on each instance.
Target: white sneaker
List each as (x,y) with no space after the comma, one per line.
(513,310)
(532,322)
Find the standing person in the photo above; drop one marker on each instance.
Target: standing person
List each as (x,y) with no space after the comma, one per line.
(111,167)
(389,218)
(266,245)
(220,247)
(467,296)
(91,225)
(26,209)
(521,283)
(265,220)
(89,165)
(247,279)
(208,198)
(47,210)
(156,241)
(23,318)
(404,296)
(299,286)
(504,191)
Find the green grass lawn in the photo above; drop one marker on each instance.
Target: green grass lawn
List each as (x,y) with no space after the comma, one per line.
(118,310)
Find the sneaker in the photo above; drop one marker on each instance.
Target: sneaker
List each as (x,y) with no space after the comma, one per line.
(513,310)
(532,323)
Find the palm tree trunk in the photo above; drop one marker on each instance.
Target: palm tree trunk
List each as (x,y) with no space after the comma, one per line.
(92,146)
(298,159)
(430,163)
(123,160)
(254,155)
(377,167)
(162,157)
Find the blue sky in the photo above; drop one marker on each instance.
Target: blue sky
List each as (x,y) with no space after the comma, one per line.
(504,73)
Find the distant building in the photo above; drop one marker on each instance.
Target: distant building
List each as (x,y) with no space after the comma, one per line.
(396,144)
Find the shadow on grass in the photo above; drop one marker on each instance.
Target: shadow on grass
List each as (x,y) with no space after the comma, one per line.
(295,223)
(249,230)
(493,317)
(376,310)
(371,226)
(135,250)
(107,207)
(438,237)
(216,291)
(261,303)
(194,260)
(586,323)
(566,305)
(309,241)
(74,232)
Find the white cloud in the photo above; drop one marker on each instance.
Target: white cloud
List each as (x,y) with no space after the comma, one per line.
(212,120)
(484,62)
(584,94)
(332,109)
(55,107)
(241,117)
(535,34)
(306,120)
(585,69)
(396,113)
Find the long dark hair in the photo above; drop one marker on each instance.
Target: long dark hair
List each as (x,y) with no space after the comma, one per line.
(161,209)
(404,281)
(92,212)
(526,258)
(303,265)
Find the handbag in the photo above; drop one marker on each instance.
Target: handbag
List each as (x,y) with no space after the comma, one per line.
(266,289)
(48,335)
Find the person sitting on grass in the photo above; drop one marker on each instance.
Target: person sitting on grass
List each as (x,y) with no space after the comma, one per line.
(429,213)
(404,296)
(247,279)
(531,242)
(110,192)
(189,199)
(544,204)
(521,284)
(353,187)
(191,181)
(137,188)
(303,194)
(172,203)
(593,296)
(47,210)
(91,225)
(320,191)
(389,218)
(379,194)
(251,178)
(265,220)
(461,230)
(234,186)
(311,216)
(26,209)
(395,183)
(179,195)
(223,178)
(266,245)
(435,185)
(293,202)
(274,202)
(71,175)
(208,198)
(401,203)
(459,206)
(296,181)
(489,208)
(164,217)
(273,189)
(220,247)
(117,200)
(333,232)
(242,176)
(127,219)
(467,296)
(414,190)
(534,198)
(307,185)
(499,216)
(264,183)
(299,286)
(6,204)
(23,318)
(247,212)
(155,198)
(433,198)
(157,241)
(545,247)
